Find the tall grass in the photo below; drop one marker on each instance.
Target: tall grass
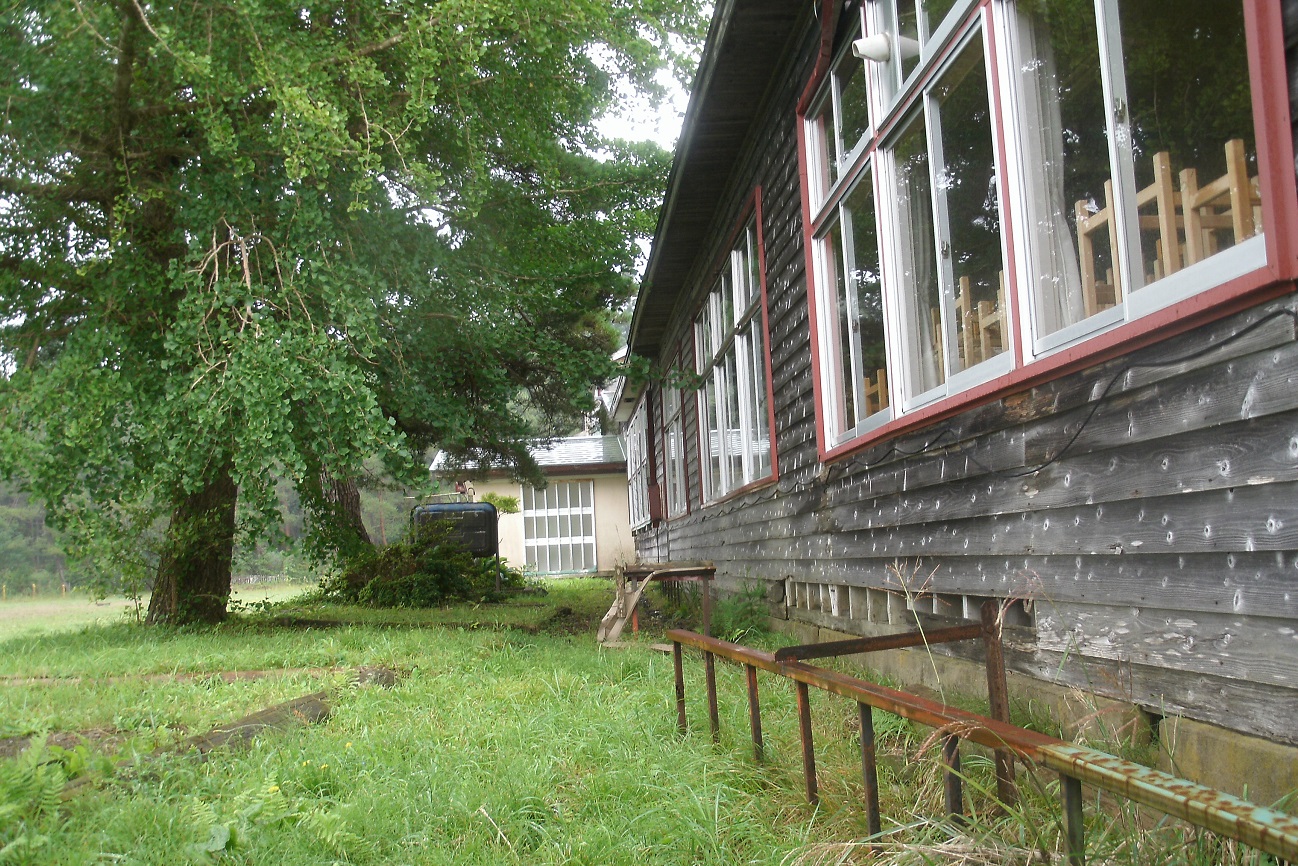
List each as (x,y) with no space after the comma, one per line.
(498,745)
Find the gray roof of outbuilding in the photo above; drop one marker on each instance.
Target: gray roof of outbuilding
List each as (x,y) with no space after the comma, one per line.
(745,43)
(583,453)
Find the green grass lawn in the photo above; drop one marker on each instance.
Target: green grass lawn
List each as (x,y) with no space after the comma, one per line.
(21,614)
(510,738)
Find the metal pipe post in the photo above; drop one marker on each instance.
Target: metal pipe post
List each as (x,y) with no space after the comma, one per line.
(808,750)
(869,767)
(681,724)
(710,672)
(754,714)
(1070,790)
(951,783)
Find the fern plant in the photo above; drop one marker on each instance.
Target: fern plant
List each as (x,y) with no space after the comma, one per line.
(30,794)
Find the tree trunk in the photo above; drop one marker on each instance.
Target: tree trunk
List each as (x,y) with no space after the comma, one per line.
(193,582)
(345,497)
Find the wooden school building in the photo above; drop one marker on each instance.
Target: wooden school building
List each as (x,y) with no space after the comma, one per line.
(991,300)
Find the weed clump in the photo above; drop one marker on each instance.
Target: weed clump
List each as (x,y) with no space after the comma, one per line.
(427,568)
(742,615)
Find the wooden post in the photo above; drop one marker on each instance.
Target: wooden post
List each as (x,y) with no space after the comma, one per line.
(1070,790)
(869,767)
(710,672)
(808,750)
(951,784)
(754,714)
(681,724)
(998,697)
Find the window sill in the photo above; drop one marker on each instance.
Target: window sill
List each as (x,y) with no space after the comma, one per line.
(1168,321)
(741,491)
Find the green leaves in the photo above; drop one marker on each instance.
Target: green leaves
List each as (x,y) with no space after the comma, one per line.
(288,238)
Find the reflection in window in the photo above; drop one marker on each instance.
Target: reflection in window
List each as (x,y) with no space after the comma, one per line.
(1190,130)
(1066,156)
(673,422)
(1178,186)
(918,278)
(966,184)
(910,24)
(730,349)
(856,314)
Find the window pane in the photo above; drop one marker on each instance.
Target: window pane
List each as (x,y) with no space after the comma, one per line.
(713,438)
(1191,128)
(844,401)
(865,288)
(727,314)
(918,277)
(760,446)
(703,335)
(908,35)
(853,104)
(752,265)
(733,443)
(967,180)
(824,145)
(1069,211)
(934,12)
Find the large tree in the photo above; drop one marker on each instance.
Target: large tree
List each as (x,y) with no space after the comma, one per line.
(249,240)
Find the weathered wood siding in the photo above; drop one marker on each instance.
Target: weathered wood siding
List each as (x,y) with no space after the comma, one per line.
(1154,560)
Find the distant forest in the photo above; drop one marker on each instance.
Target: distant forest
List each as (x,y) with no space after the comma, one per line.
(32,553)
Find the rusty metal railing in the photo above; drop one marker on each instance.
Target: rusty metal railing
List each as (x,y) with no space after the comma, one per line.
(1261,828)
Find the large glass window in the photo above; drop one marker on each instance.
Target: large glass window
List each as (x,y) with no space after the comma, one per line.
(637,465)
(1139,160)
(674,446)
(948,259)
(1123,168)
(913,308)
(852,319)
(730,348)
(559,527)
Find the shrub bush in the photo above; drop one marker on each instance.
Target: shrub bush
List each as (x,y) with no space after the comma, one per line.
(426,569)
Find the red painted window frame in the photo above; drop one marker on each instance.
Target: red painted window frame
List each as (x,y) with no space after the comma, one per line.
(751,209)
(1268,80)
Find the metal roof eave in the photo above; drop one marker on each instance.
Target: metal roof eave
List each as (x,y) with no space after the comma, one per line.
(741,53)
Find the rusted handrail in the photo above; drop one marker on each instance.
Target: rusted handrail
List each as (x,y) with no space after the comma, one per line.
(1259,827)
(858,645)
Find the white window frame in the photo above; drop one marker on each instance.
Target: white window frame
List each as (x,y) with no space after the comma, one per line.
(674,451)
(910,396)
(637,465)
(894,101)
(569,549)
(1139,299)
(732,313)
